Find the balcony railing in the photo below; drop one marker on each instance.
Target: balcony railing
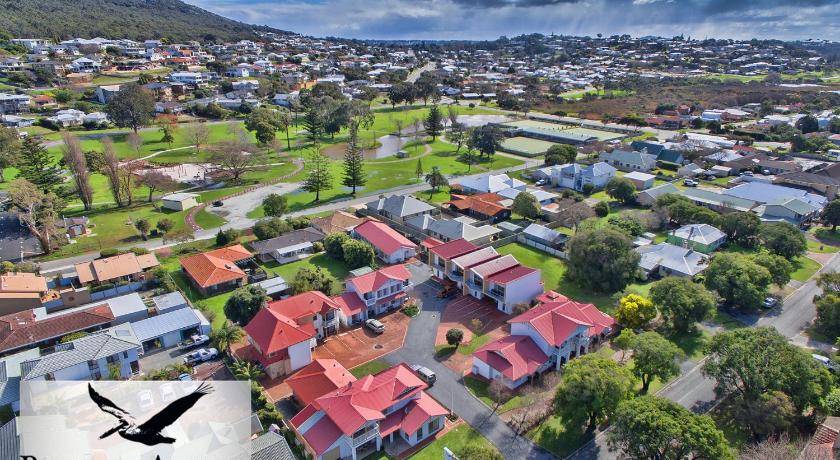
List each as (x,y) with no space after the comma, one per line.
(371,433)
(496,294)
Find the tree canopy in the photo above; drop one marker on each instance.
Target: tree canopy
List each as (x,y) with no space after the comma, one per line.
(740,281)
(592,388)
(243,304)
(602,260)
(681,303)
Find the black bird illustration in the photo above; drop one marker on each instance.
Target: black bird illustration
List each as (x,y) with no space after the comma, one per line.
(147,433)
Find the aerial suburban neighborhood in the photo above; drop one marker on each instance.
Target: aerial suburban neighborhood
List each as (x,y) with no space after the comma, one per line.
(533,247)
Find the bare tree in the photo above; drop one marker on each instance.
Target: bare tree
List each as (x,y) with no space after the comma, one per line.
(781,448)
(126,180)
(532,410)
(498,393)
(38,211)
(76,162)
(452,115)
(158,181)
(111,169)
(235,157)
(135,142)
(399,124)
(198,134)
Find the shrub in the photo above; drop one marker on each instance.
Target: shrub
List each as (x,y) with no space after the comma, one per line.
(454,337)
(587,189)
(602,209)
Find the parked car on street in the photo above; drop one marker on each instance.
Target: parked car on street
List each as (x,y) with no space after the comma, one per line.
(375,326)
(770,302)
(826,362)
(200,356)
(690,183)
(427,375)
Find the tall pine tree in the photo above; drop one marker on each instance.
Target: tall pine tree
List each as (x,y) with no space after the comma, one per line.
(38,166)
(319,177)
(434,122)
(354,174)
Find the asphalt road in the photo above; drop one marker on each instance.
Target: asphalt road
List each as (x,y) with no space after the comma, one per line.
(695,391)
(448,389)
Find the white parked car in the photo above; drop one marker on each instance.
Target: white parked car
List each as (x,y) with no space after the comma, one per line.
(201,355)
(375,326)
(826,362)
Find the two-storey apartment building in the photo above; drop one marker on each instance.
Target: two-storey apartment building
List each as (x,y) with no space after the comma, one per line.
(374,293)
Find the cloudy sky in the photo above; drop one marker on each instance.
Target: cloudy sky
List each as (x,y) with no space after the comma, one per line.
(488,19)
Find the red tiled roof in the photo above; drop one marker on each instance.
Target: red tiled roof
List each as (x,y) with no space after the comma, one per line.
(454,249)
(556,321)
(512,274)
(370,282)
(476,257)
(216,267)
(430,243)
(483,203)
(21,329)
(383,237)
(515,356)
(303,305)
(274,333)
(550,296)
(412,416)
(350,303)
(318,378)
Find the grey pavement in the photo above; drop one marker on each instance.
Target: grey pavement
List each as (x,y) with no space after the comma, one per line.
(235,210)
(449,389)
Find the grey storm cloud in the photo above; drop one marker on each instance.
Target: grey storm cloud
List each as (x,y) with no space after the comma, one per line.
(488,19)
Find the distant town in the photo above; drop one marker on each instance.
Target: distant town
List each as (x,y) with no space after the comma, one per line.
(537,247)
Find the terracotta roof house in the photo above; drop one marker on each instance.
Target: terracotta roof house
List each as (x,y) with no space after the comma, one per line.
(367,414)
(21,291)
(312,307)
(218,270)
(24,330)
(390,245)
(373,294)
(337,222)
(505,281)
(824,445)
(282,345)
(124,267)
(484,206)
(559,328)
(318,378)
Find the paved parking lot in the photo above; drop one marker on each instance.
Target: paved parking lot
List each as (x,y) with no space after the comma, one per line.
(360,345)
(462,310)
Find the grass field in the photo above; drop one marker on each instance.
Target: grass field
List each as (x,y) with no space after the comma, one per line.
(334,267)
(369,368)
(456,439)
(526,145)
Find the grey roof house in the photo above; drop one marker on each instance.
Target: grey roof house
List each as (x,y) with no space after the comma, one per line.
(626,160)
(166,330)
(288,247)
(700,237)
(541,234)
(665,259)
(448,230)
(648,197)
(399,207)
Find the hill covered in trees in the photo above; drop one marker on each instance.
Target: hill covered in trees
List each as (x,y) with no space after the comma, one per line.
(133,19)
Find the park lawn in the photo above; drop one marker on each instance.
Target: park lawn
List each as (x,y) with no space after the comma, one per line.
(474,344)
(480,389)
(208,220)
(215,304)
(804,268)
(334,267)
(822,247)
(725,320)
(369,368)
(456,439)
(693,345)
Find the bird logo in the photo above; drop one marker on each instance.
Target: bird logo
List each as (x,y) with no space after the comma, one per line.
(149,432)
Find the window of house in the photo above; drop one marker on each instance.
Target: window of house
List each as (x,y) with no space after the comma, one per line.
(434,425)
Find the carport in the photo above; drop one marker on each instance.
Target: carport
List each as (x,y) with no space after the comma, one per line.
(166,330)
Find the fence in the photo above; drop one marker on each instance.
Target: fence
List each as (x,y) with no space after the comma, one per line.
(115,291)
(539,246)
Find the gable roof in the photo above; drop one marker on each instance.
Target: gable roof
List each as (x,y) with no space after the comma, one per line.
(303,305)
(674,258)
(659,190)
(303,235)
(491,183)
(339,221)
(515,356)
(641,159)
(217,266)
(450,228)
(487,204)
(766,193)
(270,446)
(114,267)
(512,274)
(318,378)
(22,329)
(557,316)
(275,333)
(162,324)
(400,205)
(453,249)
(370,282)
(383,237)
(476,257)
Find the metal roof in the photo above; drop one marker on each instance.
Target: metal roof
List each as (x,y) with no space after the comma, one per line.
(156,326)
(173,300)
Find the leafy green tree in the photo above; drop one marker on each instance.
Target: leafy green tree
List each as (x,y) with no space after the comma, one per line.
(828,315)
(831,214)
(650,427)
(9,149)
(739,280)
(454,337)
(357,254)
(741,228)
(831,403)
(602,209)
(269,228)
(621,189)
(275,205)
(602,260)
(131,107)
(772,413)
(226,336)
(334,244)
(681,302)
(246,370)
(436,179)
(477,451)
(243,304)
(486,139)
(319,177)
(226,237)
(634,311)
(143,226)
(354,172)
(624,341)
(592,388)
(433,122)
(783,239)
(780,268)
(36,210)
(560,154)
(418,169)
(38,166)
(526,205)
(654,356)
(165,225)
(307,279)
(808,124)
(264,122)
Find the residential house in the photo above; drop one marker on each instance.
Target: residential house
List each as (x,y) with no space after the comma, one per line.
(700,237)
(543,338)
(337,222)
(310,308)
(540,235)
(490,183)
(351,421)
(642,181)
(289,247)
(10,378)
(21,291)
(440,256)
(217,271)
(12,121)
(14,103)
(318,378)
(761,162)
(780,203)
(717,201)
(104,93)
(576,177)
(120,268)
(445,230)
(504,280)
(822,181)
(25,330)
(180,201)
(795,211)
(389,245)
(85,65)
(98,356)
(665,259)
(648,197)
(168,329)
(373,294)
(489,207)
(189,78)
(399,208)
(691,170)
(279,343)
(270,446)
(543,197)
(629,160)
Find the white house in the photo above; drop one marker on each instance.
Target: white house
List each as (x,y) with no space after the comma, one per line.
(189,78)
(576,177)
(373,294)
(491,183)
(389,245)
(85,65)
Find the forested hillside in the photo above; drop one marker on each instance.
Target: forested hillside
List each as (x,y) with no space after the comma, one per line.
(134,19)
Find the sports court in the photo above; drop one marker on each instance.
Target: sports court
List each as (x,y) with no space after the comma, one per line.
(526,146)
(563,132)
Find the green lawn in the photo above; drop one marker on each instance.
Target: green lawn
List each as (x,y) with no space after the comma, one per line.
(480,389)
(456,439)
(216,304)
(207,220)
(334,267)
(804,268)
(369,368)
(822,247)
(559,436)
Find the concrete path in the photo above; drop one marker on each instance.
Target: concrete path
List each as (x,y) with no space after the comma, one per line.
(235,210)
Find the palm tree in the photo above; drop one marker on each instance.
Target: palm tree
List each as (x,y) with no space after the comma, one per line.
(246,370)
(226,336)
